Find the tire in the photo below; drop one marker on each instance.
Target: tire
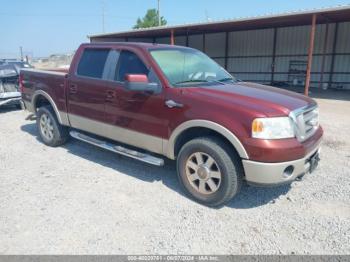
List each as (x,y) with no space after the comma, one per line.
(217,179)
(53,133)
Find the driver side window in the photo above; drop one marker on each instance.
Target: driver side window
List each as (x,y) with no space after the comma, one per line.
(129,63)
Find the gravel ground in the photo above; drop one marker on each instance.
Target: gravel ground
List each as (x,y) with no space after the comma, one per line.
(80,199)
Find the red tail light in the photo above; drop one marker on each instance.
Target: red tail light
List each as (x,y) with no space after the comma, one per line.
(20,83)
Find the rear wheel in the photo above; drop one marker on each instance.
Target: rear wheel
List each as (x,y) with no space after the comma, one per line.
(210,171)
(51,131)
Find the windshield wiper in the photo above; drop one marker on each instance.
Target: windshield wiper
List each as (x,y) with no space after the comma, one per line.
(221,81)
(192,81)
(226,79)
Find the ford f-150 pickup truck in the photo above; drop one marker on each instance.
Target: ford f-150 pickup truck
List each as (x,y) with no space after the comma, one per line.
(150,101)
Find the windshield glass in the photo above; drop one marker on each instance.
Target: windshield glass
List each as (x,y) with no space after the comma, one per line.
(189,67)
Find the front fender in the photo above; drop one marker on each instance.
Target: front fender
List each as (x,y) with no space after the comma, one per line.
(169,146)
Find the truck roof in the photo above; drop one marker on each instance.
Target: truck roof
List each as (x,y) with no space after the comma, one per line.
(133,44)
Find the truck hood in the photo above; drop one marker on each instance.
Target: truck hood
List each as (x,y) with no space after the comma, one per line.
(264,99)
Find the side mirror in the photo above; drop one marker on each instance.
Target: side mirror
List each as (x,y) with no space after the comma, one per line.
(139,82)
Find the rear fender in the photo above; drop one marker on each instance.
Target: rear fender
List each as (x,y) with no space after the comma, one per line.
(62,117)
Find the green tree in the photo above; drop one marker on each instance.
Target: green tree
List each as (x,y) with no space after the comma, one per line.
(149,20)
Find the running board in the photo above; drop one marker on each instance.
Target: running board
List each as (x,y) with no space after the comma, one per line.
(118,149)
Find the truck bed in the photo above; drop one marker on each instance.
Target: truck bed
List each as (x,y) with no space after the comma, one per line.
(51,82)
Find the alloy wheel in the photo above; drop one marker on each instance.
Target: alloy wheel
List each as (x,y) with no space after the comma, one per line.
(46,126)
(203,173)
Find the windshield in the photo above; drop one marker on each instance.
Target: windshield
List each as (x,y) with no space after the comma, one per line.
(189,67)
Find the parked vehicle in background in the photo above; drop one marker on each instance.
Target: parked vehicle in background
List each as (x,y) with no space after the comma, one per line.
(146,101)
(18,65)
(9,93)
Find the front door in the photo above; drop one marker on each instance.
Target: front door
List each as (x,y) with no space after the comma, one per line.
(137,116)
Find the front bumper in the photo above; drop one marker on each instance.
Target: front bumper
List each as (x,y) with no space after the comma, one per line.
(269,174)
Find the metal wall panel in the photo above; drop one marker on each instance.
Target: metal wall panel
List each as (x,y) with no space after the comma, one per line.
(180,40)
(282,63)
(250,43)
(220,61)
(341,81)
(282,67)
(143,40)
(317,63)
(343,42)
(342,63)
(163,40)
(292,40)
(246,44)
(215,44)
(295,40)
(107,39)
(259,78)
(196,41)
(320,34)
(250,64)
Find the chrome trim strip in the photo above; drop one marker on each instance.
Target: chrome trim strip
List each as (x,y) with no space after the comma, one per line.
(118,149)
(61,116)
(123,135)
(169,147)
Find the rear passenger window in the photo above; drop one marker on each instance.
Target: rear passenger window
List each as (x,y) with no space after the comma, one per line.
(129,63)
(92,62)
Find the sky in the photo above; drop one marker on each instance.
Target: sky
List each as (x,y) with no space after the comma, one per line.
(44,27)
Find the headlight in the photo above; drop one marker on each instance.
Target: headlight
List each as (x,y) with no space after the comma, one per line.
(272,128)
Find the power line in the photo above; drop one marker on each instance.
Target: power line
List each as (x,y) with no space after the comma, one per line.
(73,15)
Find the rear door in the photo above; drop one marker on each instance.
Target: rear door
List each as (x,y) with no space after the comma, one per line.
(87,88)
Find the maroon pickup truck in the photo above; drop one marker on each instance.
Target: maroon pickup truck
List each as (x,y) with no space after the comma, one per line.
(149,101)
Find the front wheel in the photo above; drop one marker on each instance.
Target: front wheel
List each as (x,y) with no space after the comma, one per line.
(209,170)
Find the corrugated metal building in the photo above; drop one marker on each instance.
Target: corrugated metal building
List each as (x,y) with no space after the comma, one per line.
(268,49)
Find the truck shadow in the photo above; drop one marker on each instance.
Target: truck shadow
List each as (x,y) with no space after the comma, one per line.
(8,109)
(249,197)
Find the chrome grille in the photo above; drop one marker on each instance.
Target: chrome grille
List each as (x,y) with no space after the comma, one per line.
(305,121)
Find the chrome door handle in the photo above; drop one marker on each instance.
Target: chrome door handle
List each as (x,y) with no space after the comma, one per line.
(172,104)
(73,88)
(110,94)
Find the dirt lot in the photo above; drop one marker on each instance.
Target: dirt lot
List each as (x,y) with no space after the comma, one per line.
(80,199)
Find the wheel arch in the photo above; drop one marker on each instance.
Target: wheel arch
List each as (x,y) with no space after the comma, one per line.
(40,97)
(171,148)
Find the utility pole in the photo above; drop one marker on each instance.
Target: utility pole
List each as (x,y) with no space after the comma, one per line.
(159,21)
(206,15)
(103,16)
(21,52)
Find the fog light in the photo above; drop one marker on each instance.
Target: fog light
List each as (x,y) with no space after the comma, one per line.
(288,171)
